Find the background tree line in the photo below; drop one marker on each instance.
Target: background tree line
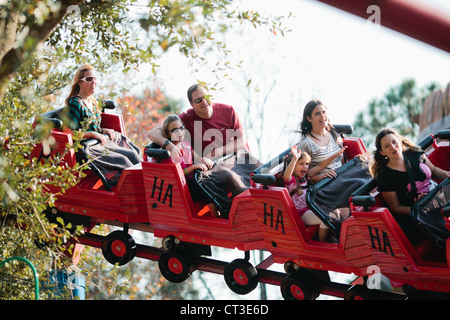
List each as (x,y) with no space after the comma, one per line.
(400,108)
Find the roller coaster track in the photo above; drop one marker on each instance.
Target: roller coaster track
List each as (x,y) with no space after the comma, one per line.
(217,267)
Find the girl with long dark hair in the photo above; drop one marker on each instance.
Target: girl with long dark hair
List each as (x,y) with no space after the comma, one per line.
(320,140)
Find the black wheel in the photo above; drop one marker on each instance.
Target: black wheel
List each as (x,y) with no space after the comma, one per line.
(358,292)
(119,247)
(241,276)
(174,266)
(298,288)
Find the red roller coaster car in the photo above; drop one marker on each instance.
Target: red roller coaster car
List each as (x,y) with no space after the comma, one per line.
(153,197)
(369,238)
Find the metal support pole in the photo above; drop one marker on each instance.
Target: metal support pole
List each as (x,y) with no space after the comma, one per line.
(36,279)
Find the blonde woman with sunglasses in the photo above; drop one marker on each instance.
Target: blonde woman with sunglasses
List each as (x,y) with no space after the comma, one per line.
(115,152)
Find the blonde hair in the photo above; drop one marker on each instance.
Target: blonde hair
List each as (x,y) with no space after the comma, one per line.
(79,74)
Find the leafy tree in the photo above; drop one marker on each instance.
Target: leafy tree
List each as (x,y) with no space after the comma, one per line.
(41,44)
(399,108)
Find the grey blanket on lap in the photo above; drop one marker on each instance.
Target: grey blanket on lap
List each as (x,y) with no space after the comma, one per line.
(115,156)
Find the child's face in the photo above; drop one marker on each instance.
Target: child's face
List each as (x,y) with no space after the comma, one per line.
(301,168)
(176,131)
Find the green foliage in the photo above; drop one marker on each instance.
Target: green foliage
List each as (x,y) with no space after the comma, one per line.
(399,108)
(24,184)
(99,32)
(193,24)
(114,36)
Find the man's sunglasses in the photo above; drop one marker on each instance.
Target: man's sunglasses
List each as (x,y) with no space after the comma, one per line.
(88,79)
(198,100)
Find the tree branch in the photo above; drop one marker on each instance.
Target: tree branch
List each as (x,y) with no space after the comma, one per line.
(15,57)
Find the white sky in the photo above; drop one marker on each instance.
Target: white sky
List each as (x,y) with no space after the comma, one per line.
(329,55)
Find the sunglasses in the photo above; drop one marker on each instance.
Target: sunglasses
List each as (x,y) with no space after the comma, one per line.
(175,130)
(89,79)
(198,100)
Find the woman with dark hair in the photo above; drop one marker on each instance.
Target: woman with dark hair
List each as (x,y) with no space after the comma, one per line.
(115,152)
(389,169)
(320,140)
(400,189)
(325,147)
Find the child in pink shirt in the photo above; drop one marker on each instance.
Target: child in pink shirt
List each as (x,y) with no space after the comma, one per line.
(174,130)
(295,179)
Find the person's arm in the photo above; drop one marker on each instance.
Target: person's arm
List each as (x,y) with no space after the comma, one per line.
(325,163)
(436,172)
(95,135)
(287,176)
(200,166)
(204,160)
(109,132)
(394,204)
(157,136)
(74,119)
(313,173)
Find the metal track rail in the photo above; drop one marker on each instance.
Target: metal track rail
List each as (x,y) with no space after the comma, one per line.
(216,266)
